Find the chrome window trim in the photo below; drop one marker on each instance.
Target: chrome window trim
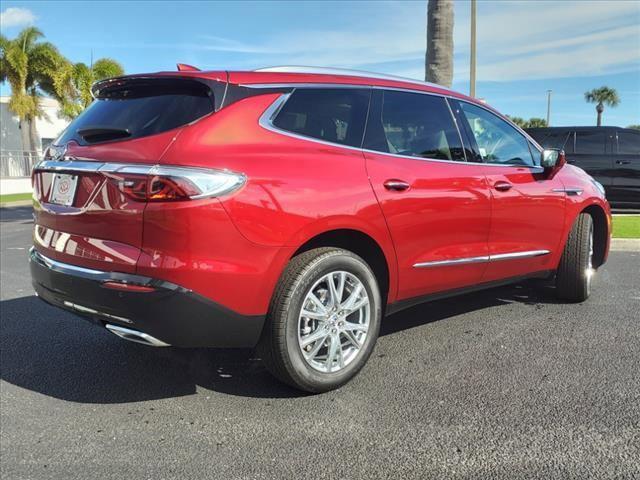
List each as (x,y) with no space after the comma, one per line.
(482,259)
(266,122)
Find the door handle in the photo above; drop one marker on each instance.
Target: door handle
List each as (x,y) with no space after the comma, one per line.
(502,186)
(623,162)
(396,185)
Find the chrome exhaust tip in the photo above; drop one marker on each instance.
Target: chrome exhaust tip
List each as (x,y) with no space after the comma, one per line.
(136,336)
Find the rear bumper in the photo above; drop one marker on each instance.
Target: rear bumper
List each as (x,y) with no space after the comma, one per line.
(169,313)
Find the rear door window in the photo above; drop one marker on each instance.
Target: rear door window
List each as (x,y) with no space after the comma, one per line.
(140,108)
(335,115)
(590,142)
(415,125)
(629,143)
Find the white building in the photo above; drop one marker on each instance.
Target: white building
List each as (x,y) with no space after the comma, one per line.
(15,160)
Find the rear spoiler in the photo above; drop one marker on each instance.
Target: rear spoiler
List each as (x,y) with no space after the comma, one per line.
(217,87)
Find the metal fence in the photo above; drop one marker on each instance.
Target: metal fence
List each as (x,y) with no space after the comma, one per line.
(17,163)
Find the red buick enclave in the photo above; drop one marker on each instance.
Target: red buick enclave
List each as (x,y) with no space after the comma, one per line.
(291,209)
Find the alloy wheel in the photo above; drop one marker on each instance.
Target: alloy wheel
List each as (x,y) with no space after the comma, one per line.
(334,321)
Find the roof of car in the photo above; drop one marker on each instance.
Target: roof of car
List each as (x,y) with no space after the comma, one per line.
(287,75)
(320,75)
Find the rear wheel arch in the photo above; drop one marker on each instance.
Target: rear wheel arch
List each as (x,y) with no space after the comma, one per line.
(600,233)
(362,245)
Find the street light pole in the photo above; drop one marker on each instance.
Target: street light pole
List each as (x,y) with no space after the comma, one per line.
(472,70)
(549,108)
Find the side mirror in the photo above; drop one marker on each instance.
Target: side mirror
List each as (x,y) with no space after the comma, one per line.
(552,160)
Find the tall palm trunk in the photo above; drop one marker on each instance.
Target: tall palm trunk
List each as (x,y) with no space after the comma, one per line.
(599,109)
(439,58)
(34,138)
(25,135)
(30,140)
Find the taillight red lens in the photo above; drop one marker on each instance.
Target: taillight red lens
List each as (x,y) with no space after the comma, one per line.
(162,184)
(133,186)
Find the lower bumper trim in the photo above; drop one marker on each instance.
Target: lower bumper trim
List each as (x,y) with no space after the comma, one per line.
(169,315)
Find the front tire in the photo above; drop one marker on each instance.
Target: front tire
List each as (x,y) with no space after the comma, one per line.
(575,273)
(323,320)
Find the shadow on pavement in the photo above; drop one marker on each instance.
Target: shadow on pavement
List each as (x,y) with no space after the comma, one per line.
(51,352)
(15,214)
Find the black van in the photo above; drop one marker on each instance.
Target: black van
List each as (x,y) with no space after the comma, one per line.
(611,155)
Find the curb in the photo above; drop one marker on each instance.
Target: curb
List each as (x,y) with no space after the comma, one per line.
(20,203)
(625,245)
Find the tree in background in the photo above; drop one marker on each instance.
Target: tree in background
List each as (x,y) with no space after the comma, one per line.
(635,127)
(536,122)
(31,68)
(602,96)
(79,78)
(439,57)
(533,122)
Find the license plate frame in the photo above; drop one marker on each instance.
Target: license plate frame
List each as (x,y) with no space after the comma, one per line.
(63,189)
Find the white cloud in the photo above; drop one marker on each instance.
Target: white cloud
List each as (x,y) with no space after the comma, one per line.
(16,17)
(516,40)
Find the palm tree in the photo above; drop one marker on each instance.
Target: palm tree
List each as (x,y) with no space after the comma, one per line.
(601,96)
(519,121)
(536,122)
(31,67)
(439,58)
(80,77)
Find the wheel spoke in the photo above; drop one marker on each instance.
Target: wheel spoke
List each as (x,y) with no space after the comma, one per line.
(358,305)
(336,291)
(313,315)
(355,327)
(319,334)
(314,351)
(334,346)
(352,299)
(318,304)
(352,339)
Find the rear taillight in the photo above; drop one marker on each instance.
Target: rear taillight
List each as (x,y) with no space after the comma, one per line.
(163,184)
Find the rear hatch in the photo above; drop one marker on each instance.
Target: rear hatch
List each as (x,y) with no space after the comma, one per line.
(90,189)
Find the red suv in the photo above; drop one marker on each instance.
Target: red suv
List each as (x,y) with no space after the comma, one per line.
(290,209)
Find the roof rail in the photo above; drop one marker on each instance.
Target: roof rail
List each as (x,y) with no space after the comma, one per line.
(344,71)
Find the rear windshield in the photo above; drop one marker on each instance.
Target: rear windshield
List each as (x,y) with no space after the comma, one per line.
(138,109)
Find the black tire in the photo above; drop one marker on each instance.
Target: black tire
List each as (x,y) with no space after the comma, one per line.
(279,347)
(573,279)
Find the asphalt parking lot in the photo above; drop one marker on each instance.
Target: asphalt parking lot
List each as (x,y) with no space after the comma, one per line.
(505,383)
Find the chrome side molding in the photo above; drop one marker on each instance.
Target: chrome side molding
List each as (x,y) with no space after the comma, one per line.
(569,191)
(482,259)
(457,261)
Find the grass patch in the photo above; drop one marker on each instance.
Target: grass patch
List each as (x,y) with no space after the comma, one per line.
(15,197)
(627,226)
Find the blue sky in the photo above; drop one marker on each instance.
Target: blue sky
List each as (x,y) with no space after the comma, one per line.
(524,48)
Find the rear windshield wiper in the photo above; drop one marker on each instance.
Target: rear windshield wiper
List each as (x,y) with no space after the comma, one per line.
(102,134)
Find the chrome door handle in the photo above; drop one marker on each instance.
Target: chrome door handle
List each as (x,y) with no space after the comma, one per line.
(623,162)
(396,185)
(502,186)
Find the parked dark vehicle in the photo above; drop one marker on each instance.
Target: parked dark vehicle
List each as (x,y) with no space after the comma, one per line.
(609,154)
